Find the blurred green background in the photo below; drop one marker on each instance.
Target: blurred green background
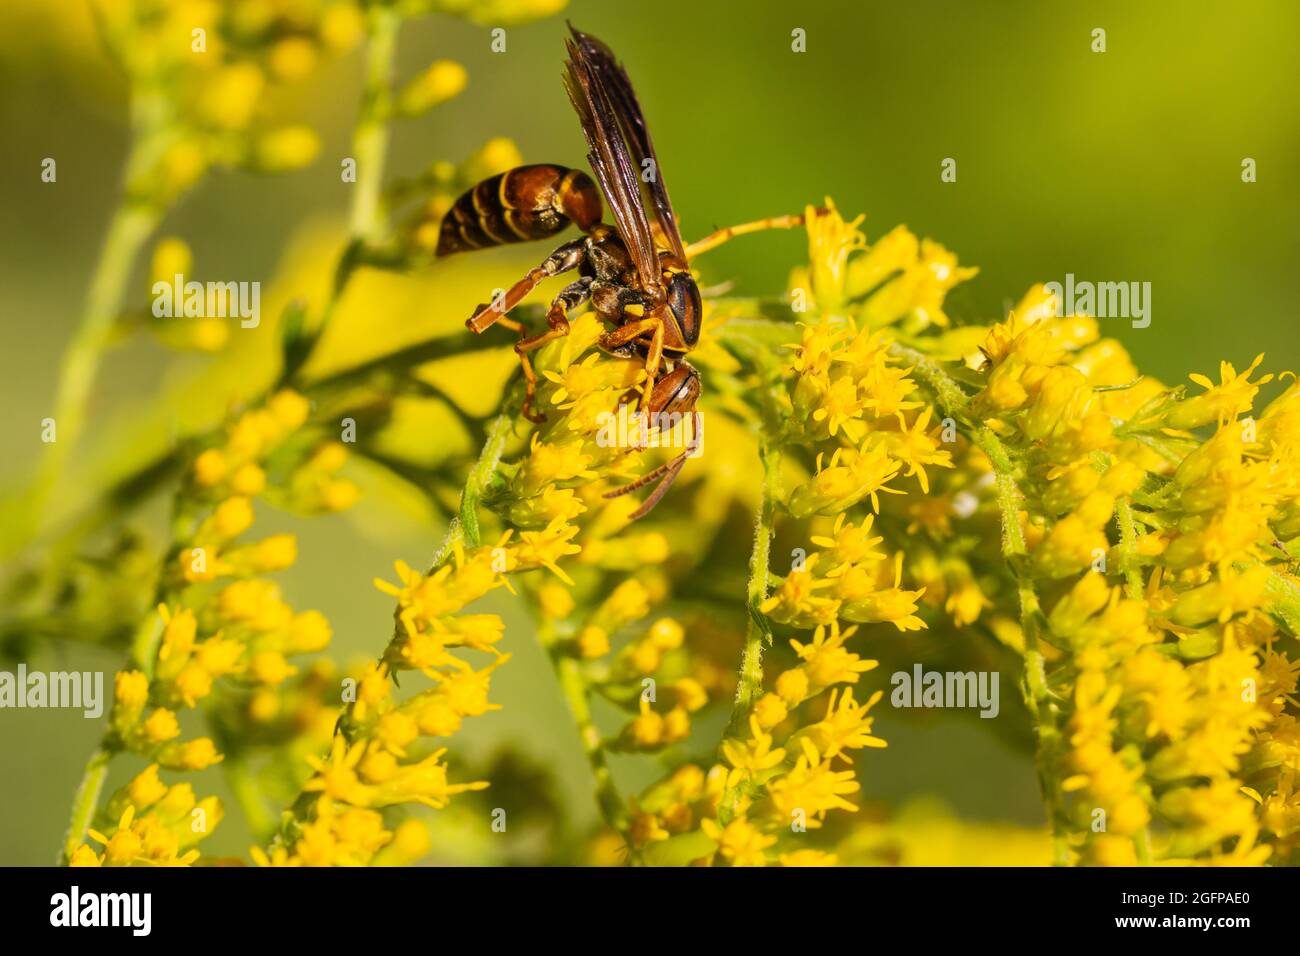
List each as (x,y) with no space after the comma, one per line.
(1118,166)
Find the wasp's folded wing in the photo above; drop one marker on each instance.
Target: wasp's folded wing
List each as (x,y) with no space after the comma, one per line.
(608,155)
(618,87)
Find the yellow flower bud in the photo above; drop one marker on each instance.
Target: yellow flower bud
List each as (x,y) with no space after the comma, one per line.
(410,843)
(1122,478)
(178,802)
(130,694)
(209,467)
(644,828)
(378,766)
(1056,396)
(289,409)
(229,98)
(652,547)
(629,602)
(666,634)
(248,480)
(209,334)
(276,552)
(193,683)
(644,657)
(232,517)
(289,148)
(593,642)
(677,725)
(1067,489)
(255,601)
(792,686)
(339,494)
(646,730)
(494,156)
(341,26)
(437,84)
(179,631)
(771,709)
(329,457)
(161,726)
(146,789)
(270,667)
(180,168)
(219,655)
(263,705)
(310,632)
(85,856)
(1111,850)
(395,730)
(555,601)
(1128,816)
(690,694)
(292,58)
(124,846)
(192,755)
(171,257)
(1069,547)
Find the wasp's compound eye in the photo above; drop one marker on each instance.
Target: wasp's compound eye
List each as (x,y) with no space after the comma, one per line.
(684,300)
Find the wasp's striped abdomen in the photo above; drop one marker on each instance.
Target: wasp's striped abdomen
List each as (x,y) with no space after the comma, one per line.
(520,205)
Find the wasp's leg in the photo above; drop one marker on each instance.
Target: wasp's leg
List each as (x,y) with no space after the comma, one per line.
(631,331)
(557,326)
(667,473)
(568,256)
(723,235)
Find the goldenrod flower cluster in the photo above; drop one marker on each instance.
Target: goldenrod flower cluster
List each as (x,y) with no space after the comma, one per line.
(375,760)
(220,620)
(152,824)
(200,70)
(1157,552)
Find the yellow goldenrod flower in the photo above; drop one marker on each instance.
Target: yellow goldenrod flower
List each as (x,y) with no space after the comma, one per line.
(739,842)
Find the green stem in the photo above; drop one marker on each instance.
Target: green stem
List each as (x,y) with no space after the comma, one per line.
(127,232)
(1013,535)
(370,136)
(1037,697)
(577,696)
(148,636)
(464,527)
(749,684)
(480,476)
(1128,548)
(947,393)
(370,139)
(1132,590)
(86,801)
(249,797)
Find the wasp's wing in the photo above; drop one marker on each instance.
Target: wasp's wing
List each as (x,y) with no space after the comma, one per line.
(618,87)
(608,155)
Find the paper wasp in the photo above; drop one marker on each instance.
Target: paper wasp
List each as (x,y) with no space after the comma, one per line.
(635,274)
